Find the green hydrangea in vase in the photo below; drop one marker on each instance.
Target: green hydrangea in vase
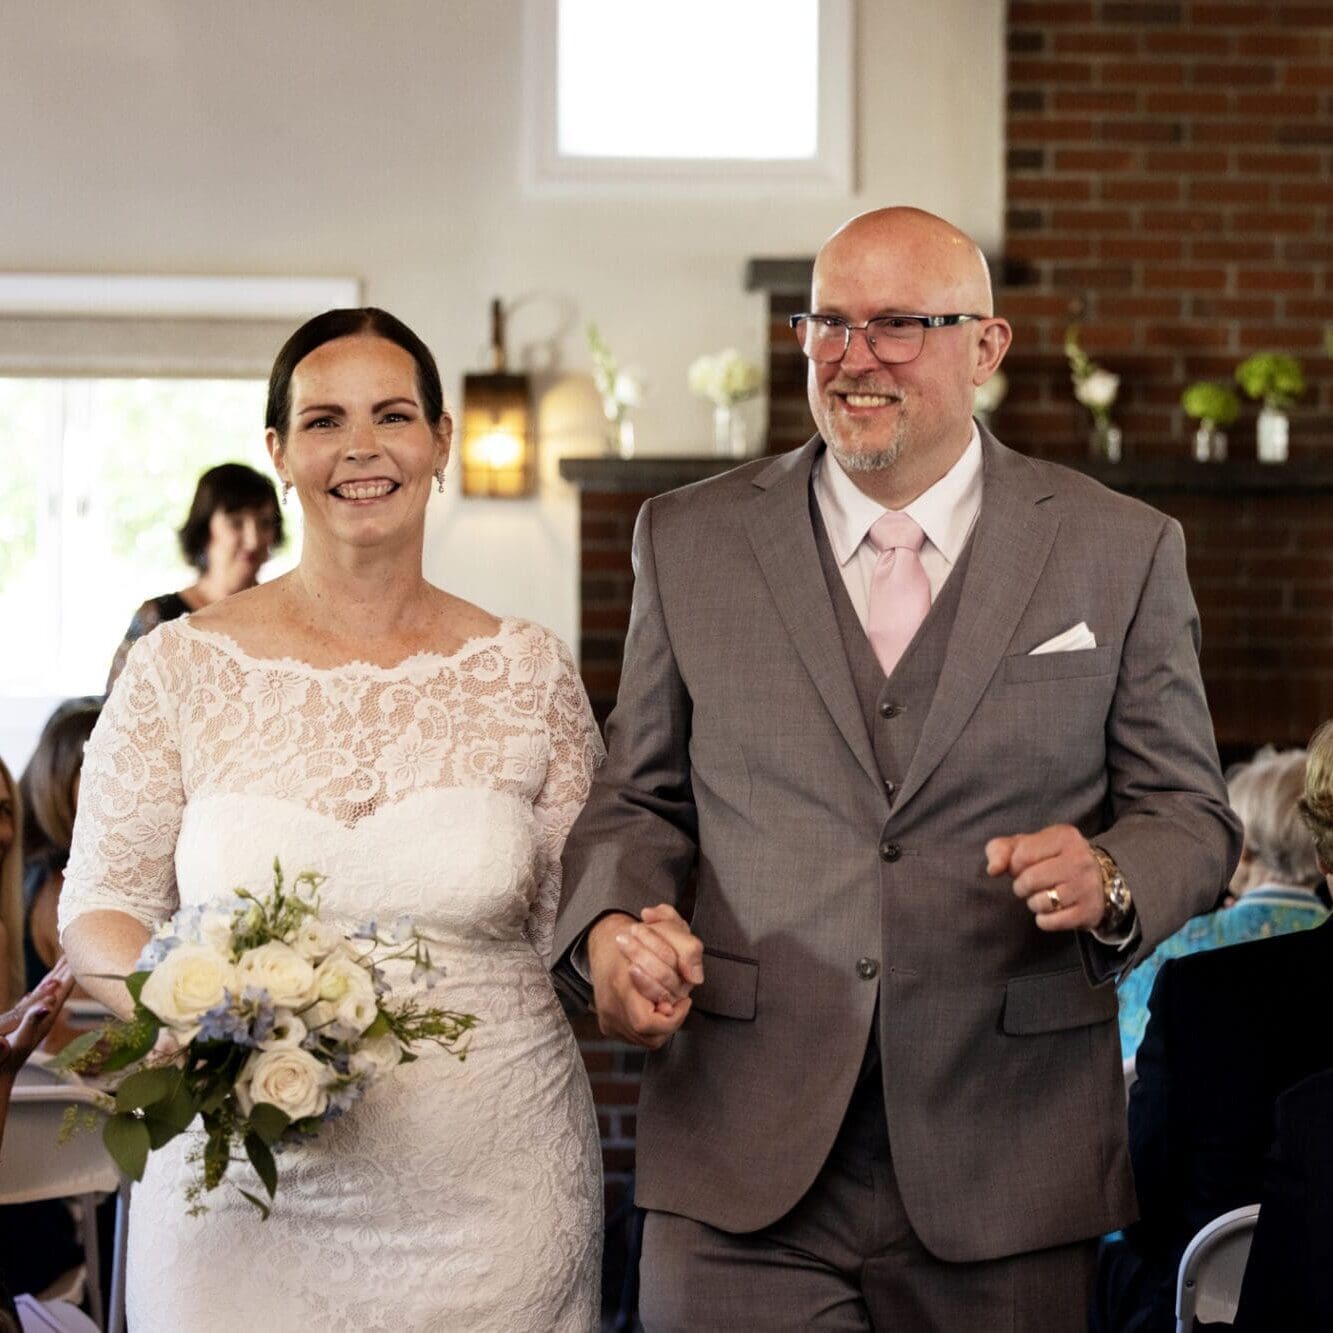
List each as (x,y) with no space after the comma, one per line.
(1276,381)
(1213,406)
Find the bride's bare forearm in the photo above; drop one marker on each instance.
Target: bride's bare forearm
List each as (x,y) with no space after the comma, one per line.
(102,947)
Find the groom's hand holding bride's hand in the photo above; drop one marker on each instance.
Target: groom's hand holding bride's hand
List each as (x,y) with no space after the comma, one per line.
(643,973)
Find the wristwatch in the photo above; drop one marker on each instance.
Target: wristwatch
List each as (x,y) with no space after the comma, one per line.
(1115,892)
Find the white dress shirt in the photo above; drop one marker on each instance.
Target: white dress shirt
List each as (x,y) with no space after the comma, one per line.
(946,512)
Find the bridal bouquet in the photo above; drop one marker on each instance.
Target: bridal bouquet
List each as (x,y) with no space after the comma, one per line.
(275,1023)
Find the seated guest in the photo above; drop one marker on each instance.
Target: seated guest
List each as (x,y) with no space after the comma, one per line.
(1273,888)
(1228,1032)
(1289,1276)
(11,890)
(50,795)
(233,525)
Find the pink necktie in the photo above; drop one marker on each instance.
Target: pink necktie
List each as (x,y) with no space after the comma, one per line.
(899,589)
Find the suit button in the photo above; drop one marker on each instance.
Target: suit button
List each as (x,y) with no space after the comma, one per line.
(890,788)
(867,969)
(886,709)
(889,851)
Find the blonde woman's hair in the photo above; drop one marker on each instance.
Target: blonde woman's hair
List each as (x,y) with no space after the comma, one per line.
(1317,799)
(11,900)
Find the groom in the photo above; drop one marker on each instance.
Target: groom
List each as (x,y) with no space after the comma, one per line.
(926,717)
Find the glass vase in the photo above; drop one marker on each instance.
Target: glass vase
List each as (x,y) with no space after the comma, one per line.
(622,438)
(1273,430)
(1210,444)
(1105,440)
(730,438)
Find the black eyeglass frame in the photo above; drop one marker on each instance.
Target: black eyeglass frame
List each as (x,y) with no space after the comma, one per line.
(848,328)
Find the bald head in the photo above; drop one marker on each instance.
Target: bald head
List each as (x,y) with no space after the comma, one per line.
(947,265)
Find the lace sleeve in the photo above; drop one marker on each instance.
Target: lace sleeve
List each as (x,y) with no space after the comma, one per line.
(130,801)
(576,751)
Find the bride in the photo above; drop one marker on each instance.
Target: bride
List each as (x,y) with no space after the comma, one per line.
(429,759)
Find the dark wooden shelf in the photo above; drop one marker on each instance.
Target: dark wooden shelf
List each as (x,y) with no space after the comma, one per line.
(1243,477)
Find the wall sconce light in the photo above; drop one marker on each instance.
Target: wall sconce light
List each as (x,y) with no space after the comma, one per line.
(499,454)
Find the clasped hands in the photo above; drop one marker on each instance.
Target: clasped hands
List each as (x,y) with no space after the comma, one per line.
(643,971)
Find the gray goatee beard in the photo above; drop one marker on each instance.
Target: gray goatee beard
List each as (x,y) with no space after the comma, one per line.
(878,461)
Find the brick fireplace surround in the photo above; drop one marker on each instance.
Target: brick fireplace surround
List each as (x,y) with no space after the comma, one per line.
(1170,183)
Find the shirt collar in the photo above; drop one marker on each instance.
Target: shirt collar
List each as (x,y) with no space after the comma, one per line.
(946,511)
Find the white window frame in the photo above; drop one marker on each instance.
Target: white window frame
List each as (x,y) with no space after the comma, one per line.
(548,171)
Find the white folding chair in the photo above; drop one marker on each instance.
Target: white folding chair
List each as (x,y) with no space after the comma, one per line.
(1211,1269)
(36,1165)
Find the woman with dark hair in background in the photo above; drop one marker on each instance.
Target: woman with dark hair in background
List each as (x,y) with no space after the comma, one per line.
(233,525)
(50,796)
(429,758)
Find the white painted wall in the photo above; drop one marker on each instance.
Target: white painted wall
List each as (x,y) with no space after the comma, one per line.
(384,140)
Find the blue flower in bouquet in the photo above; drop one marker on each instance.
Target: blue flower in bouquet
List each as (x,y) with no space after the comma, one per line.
(246,1020)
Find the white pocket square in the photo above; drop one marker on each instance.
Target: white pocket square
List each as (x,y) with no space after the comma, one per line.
(1073,640)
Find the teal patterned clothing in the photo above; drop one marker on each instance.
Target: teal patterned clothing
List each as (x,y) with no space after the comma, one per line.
(1269,910)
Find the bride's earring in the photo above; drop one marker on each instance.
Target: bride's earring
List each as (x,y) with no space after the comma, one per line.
(286,491)
(439,480)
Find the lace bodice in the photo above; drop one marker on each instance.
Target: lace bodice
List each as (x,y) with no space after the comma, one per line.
(454,1196)
(194,716)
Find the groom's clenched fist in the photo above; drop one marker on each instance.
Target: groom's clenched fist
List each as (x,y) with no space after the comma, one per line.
(642,973)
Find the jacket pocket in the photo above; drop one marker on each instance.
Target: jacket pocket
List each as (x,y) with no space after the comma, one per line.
(729,987)
(1022,668)
(1053,1001)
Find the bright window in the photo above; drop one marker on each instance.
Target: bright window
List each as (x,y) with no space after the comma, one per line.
(728,93)
(98,475)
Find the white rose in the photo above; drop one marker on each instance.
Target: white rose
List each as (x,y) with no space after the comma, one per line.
(186,984)
(1097,389)
(281,971)
(315,940)
(292,1080)
(376,1057)
(346,995)
(288,1032)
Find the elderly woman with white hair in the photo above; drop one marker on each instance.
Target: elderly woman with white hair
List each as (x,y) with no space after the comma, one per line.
(1273,889)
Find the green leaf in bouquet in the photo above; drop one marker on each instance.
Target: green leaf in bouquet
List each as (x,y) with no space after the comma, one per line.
(380,1027)
(134,983)
(261,1158)
(79,1054)
(264,1209)
(127,1140)
(147,1086)
(131,1041)
(169,1117)
(217,1154)
(268,1122)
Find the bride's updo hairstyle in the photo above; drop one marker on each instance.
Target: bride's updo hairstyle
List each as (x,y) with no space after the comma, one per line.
(366,320)
(1317,802)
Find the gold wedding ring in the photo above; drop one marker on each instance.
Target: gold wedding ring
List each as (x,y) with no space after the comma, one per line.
(1053,898)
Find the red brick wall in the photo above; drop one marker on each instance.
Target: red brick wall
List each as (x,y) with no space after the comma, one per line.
(1170,180)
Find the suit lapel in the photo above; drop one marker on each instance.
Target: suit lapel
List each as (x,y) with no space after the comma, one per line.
(783,539)
(1010,546)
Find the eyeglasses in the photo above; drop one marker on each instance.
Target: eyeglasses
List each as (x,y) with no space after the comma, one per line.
(894,339)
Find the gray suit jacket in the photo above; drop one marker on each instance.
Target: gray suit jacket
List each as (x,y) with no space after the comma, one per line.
(738,745)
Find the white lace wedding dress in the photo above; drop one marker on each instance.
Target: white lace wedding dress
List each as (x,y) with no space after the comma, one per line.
(453,1195)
